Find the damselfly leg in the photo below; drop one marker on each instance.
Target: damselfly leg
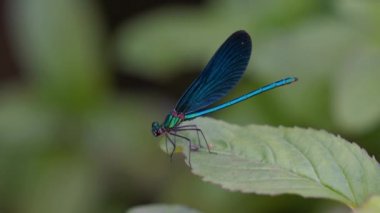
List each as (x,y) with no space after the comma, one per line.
(198,130)
(188,140)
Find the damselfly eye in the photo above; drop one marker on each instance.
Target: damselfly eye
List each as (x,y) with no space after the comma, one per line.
(155,128)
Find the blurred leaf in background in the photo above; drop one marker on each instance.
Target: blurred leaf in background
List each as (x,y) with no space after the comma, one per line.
(67,143)
(75,139)
(61,44)
(161,208)
(163,41)
(313,40)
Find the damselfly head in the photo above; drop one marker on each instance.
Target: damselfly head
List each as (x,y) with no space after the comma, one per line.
(156,129)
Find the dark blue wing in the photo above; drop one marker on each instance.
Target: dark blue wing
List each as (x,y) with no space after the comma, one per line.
(220,75)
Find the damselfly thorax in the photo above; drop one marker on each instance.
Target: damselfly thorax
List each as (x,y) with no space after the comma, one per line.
(171,128)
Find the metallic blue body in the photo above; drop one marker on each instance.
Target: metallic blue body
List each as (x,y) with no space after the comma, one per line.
(268,87)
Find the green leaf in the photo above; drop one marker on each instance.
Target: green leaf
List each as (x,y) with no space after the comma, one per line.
(372,206)
(312,49)
(166,40)
(59,45)
(272,161)
(362,15)
(313,52)
(356,100)
(25,124)
(161,208)
(58,184)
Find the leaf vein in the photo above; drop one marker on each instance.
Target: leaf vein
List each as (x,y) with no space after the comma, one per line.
(343,172)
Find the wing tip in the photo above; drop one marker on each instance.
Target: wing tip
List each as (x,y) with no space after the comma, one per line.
(242,34)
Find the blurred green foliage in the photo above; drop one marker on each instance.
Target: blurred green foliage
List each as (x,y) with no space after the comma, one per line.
(159,208)
(315,41)
(372,206)
(70,143)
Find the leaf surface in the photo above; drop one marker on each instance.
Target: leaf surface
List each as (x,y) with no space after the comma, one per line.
(161,208)
(272,161)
